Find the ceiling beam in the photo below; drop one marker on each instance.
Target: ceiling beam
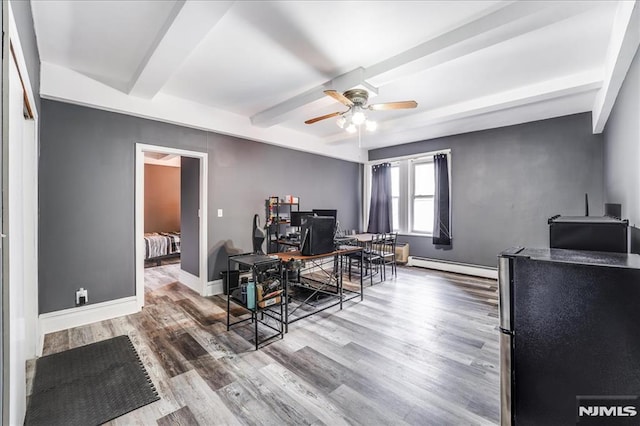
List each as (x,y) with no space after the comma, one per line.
(571,85)
(63,84)
(503,24)
(623,44)
(188,24)
(495,25)
(343,82)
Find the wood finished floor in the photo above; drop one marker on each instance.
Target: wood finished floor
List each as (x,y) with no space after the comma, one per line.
(420,349)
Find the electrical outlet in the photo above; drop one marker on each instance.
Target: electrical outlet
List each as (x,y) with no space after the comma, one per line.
(82,296)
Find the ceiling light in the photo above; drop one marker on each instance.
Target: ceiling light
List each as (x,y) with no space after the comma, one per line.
(371,125)
(351,120)
(358,117)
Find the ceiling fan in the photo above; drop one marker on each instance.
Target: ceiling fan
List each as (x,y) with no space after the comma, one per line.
(356,99)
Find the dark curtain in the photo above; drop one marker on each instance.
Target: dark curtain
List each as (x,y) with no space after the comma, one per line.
(441,205)
(380,210)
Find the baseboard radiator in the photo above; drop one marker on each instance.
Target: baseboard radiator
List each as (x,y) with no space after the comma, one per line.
(458,268)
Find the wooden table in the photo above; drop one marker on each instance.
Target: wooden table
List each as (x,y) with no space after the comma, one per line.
(296,255)
(333,280)
(364,238)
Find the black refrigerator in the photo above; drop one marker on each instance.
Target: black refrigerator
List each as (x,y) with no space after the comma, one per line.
(569,337)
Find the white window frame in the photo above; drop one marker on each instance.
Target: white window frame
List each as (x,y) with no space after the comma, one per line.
(405,203)
(399,197)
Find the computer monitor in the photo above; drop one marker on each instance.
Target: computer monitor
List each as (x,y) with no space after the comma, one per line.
(317,235)
(298,217)
(326,212)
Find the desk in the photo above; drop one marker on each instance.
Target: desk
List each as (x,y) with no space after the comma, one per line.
(331,286)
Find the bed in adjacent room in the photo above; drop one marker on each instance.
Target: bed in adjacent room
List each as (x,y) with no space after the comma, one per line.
(161,245)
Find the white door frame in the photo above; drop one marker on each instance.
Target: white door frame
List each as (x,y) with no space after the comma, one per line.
(199,284)
(20,323)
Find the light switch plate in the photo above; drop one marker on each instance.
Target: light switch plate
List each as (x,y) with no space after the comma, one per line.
(219,212)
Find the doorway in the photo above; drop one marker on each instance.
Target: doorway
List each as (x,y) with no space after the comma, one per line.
(193,217)
(162,225)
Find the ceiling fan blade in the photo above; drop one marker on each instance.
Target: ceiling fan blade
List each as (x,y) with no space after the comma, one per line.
(393,105)
(338,97)
(322,117)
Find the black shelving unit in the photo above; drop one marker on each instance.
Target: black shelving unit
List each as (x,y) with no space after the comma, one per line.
(263,269)
(278,218)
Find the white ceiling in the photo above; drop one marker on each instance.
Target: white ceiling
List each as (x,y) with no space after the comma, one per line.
(257,69)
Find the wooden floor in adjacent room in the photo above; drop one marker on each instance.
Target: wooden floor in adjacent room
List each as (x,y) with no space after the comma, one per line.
(420,349)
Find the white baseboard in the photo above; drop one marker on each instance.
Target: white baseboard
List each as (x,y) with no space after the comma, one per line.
(190,281)
(83,315)
(458,268)
(213,288)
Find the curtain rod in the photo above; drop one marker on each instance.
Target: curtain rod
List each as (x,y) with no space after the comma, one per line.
(409,157)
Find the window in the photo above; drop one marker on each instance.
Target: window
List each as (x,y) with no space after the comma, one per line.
(412,195)
(423,185)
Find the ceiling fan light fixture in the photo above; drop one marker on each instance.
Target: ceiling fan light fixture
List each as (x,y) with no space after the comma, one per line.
(355,116)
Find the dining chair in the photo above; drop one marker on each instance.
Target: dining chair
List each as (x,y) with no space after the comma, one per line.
(388,253)
(370,258)
(377,248)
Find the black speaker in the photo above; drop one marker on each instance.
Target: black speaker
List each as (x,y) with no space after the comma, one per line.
(317,235)
(613,210)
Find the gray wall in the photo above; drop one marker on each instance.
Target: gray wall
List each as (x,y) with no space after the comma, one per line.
(622,147)
(507,182)
(24,23)
(87,195)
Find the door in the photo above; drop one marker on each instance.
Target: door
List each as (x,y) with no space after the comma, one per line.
(3,418)
(19,245)
(190,215)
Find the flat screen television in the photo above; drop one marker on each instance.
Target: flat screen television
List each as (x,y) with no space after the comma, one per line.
(298,217)
(316,235)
